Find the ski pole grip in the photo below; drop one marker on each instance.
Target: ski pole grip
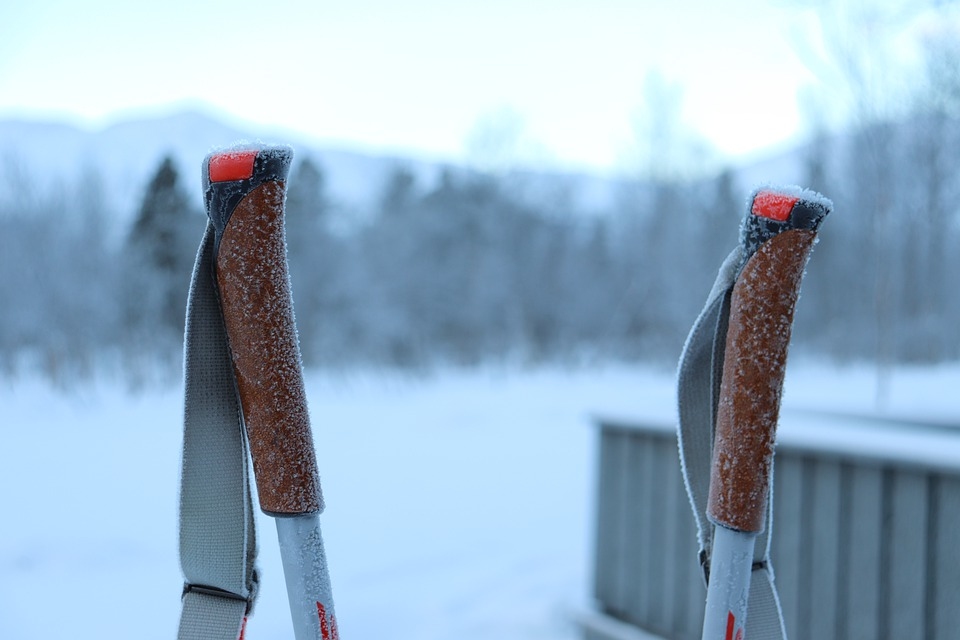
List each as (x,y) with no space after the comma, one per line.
(244,190)
(777,236)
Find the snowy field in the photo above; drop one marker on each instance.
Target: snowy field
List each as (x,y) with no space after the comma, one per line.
(459,506)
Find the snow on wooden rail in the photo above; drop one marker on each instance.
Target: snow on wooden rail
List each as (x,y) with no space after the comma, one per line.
(864,544)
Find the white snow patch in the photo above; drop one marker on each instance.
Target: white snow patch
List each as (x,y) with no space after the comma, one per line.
(459,507)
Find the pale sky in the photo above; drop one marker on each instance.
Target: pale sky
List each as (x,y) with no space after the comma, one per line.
(415,75)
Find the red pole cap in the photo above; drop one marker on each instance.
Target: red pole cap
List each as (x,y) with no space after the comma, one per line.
(232,165)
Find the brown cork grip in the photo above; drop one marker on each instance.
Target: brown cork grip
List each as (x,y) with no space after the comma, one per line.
(255,296)
(761,318)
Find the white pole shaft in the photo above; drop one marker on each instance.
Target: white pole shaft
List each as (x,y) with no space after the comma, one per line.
(729,588)
(307,577)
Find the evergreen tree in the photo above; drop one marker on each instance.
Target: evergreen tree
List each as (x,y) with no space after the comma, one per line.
(314,255)
(160,250)
(399,192)
(307,206)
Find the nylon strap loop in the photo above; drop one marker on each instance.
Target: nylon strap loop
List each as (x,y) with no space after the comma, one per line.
(208,617)
(217,532)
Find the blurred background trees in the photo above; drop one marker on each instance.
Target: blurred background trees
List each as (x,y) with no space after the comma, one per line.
(476,263)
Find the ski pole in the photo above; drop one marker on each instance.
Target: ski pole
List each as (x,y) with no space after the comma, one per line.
(244,190)
(776,238)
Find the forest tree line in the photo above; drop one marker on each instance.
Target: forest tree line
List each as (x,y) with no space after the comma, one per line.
(463,271)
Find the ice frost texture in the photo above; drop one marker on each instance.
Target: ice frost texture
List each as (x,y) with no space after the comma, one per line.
(308,575)
(761,318)
(258,313)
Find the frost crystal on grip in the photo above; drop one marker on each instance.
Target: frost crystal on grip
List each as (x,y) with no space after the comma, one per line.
(777,236)
(246,206)
(762,308)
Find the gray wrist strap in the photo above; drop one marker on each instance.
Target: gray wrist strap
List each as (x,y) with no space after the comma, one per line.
(698,390)
(217,536)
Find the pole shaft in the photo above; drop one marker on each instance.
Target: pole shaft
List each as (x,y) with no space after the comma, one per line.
(729,588)
(307,577)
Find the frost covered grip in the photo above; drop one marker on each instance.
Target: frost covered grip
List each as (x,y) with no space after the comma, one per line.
(777,237)
(244,191)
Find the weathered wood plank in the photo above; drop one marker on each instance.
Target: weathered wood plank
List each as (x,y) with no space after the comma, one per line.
(787,540)
(906,581)
(611,512)
(861,595)
(823,554)
(944,603)
(638,530)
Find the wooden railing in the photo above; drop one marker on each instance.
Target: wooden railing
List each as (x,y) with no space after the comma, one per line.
(866,539)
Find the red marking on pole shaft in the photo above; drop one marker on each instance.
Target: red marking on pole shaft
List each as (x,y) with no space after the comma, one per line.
(731,623)
(775,206)
(232,165)
(328,624)
(243,628)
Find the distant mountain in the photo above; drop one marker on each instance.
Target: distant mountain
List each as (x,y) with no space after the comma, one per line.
(125,154)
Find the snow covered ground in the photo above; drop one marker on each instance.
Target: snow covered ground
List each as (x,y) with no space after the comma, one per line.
(459,506)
